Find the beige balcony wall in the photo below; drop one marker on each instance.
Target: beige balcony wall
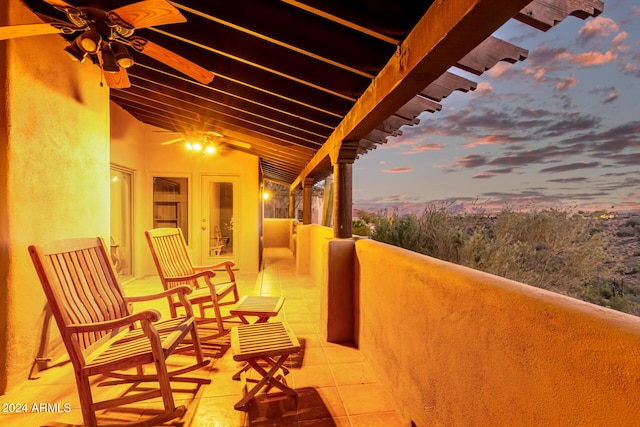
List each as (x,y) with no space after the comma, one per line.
(457,346)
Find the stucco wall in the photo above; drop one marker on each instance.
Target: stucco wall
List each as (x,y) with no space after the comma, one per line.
(277,232)
(459,347)
(311,250)
(55,177)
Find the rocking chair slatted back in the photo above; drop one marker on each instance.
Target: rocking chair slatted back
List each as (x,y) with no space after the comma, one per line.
(172,257)
(82,293)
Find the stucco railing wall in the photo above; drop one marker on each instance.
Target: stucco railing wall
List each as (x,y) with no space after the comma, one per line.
(456,346)
(277,232)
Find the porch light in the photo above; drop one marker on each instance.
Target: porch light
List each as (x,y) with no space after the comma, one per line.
(121,55)
(265,195)
(89,41)
(109,63)
(75,52)
(206,148)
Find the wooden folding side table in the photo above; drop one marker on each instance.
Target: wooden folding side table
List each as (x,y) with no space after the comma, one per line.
(262,307)
(268,342)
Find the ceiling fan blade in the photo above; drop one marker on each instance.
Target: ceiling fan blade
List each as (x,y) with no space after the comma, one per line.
(240,144)
(119,80)
(59,3)
(148,13)
(172,141)
(172,59)
(15,31)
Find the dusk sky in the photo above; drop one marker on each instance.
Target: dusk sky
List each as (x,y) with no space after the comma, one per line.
(559,129)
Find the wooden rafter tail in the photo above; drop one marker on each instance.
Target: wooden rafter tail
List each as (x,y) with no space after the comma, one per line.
(545,14)
(416,106)
(488,53)
(444,85)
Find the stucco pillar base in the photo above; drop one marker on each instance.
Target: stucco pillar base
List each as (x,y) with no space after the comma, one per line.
(337,309)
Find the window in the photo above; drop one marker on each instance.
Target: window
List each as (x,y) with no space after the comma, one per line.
(170,204)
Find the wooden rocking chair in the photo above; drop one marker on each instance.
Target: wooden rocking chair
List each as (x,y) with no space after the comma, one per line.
(173,262)
(101,333)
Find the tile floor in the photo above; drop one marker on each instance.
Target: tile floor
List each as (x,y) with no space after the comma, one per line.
(334,383)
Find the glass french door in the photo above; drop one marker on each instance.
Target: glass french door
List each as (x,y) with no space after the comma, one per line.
(219,206)
(121,221)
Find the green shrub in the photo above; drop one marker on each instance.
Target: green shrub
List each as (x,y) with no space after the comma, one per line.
(551,249)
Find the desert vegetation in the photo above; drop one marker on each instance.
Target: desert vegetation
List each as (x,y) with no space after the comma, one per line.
(591,256)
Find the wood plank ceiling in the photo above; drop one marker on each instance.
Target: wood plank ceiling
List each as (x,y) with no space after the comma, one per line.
(307,82)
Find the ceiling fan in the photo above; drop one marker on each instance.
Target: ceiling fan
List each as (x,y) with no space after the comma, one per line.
(205,141)
(104,37)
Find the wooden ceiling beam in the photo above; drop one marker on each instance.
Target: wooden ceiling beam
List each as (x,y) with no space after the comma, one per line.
(446,33)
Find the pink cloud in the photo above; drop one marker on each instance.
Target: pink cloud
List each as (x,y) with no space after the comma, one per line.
(588,59)
(483,175)
(487,140)
(612,97)
(424,147)
(483,89)
(538,73)
(597,27)
(397,170)
(616,43)
(497,71)
(570,81)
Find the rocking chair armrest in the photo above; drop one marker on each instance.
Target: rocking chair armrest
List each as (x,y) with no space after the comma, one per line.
(205,273)
(182,289)
(226,264)
(147,315)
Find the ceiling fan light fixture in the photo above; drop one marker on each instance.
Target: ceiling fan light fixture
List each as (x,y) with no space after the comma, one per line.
(121,55)
(75,53)
(210,149)
(109,63)
(89,41)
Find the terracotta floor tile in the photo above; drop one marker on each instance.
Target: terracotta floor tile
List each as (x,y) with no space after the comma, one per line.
(384,419)
(319,403)
(342,354)
(313,376)
(218,412)
(352,373)
(365,399)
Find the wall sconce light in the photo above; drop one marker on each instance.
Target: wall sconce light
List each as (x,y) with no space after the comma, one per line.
(265,195)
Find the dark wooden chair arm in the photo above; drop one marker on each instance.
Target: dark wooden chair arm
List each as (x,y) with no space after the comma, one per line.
(226,264)
(142,316)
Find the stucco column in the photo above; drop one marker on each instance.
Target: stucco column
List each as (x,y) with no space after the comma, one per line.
(342,189)
(307,187)
(292,204)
